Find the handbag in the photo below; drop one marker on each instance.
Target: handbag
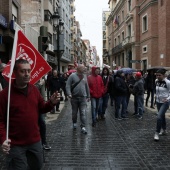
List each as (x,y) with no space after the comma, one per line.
(75,84)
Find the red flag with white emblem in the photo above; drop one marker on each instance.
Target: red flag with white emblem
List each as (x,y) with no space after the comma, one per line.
(25,50)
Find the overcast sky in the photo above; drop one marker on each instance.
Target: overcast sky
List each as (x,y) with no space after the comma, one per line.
(89,15)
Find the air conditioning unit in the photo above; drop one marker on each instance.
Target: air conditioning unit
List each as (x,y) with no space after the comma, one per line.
(50,47)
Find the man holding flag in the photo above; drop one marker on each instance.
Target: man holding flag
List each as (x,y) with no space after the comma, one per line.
(20,105)
(23,148)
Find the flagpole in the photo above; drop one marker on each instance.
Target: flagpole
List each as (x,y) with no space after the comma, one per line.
(10,77)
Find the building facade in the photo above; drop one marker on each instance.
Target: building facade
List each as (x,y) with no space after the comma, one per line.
(10,18)
(105,37)
(139,32)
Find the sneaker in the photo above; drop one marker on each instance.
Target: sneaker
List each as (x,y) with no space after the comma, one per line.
(119,118)
(152,107)
(140,117)
(46,147)
(156,136)
(74,125)
(57,110)
(83,130)
(163,132)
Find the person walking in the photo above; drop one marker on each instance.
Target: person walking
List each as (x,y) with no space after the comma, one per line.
(41,120)
(3,82)
(65,78)
(121,90)
(96,87)
(150,87)
(55,84)
(104,99)
(77,90)
(23,149)
(138,90)
(162,102)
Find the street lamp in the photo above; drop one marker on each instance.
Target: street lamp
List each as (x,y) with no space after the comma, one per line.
(58,28)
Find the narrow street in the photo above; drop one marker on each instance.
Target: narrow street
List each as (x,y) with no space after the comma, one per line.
(112,144)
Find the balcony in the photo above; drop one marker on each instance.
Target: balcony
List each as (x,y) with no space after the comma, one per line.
(129,16)
(127,41)
(117,49)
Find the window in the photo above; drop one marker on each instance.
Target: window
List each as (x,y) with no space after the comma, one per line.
(119,19)
(14,12)
(118,39)
(145,23)
(47,16)
(123,59)
(123,16)
(123,35)
(144,49)
(129,30)
(129,5)
(115,42)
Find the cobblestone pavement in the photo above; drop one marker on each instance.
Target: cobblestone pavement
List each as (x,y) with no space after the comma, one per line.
(112,144)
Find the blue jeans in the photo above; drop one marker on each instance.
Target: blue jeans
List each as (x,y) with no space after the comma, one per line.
(161,121)
(139,104)
(79,104)
(95,103)
(120,100)
(103,104)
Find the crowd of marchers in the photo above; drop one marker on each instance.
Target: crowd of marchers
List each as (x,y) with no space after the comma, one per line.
(27,129)
(119,86)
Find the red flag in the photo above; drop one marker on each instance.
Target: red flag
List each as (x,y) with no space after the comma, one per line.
(25,50)
(115,21)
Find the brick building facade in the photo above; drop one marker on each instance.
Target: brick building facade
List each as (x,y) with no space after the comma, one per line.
(139,33)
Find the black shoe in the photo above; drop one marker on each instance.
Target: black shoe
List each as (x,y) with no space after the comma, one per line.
(46,147)
(134,114)
(125,117)
(57,110)
(93,124)
(152,107)
(103,117)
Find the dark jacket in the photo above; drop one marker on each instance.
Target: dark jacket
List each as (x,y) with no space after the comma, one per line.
(106,80)
(150,81)
(121,88)
(55,84)
(138,88)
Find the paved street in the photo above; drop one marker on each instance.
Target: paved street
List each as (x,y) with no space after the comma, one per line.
(112,144)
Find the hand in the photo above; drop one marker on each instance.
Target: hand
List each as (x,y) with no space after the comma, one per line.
(6,146)
(165,100)
(42,82)
(55,98)
(88,99)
